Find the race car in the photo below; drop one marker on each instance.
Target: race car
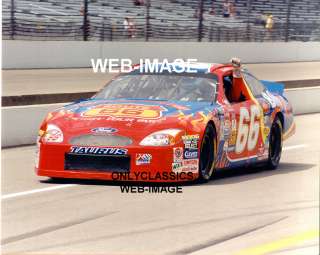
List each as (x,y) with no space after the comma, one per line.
(167,126)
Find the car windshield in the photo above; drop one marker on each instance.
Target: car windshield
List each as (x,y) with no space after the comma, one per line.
(161,87)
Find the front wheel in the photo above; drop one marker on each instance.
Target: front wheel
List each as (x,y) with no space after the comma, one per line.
(207,154)
(275,144)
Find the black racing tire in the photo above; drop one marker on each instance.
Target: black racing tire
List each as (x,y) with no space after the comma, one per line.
(275,144)
(207,154)
(57,179)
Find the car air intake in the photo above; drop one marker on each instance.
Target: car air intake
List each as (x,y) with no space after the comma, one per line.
(100,140)
(104,163)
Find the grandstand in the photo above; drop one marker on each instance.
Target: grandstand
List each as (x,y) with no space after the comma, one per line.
(167,20)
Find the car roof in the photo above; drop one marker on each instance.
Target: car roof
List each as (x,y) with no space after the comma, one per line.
(200,67)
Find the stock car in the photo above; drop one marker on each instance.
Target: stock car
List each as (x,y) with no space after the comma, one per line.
(219,116)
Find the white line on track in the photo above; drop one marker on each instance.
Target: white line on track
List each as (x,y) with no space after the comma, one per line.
(29,192)
(33,191)
(293,147)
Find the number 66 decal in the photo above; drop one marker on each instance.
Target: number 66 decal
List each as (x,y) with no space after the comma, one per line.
(248,133)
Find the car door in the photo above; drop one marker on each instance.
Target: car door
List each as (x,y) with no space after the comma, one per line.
(265,104)
(244,116)
(246,137)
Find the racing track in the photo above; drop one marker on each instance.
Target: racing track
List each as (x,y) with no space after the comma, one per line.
(240,212)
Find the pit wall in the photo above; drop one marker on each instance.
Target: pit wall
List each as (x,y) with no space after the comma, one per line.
(20,124)
(75,54)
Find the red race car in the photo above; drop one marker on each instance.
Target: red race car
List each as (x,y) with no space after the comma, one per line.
(167,126)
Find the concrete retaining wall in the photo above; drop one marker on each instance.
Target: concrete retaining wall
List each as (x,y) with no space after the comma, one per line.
(68,54)
(20,124)
(304,100)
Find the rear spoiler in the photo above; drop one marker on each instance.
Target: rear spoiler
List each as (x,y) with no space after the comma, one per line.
(274,87)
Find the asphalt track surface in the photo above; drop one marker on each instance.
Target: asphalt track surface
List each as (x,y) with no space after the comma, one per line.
(239,212)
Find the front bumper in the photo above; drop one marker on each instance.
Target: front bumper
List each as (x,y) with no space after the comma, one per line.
(52,163)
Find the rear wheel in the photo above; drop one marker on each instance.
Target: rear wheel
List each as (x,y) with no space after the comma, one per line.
(207,154)
(275,144)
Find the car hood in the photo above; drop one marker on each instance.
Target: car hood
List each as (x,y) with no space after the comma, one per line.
(134,118)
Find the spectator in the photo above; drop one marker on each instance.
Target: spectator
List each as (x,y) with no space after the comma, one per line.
(269,26)
(132,28)
(269,23)
(226,9)
(40,27)
(126,26)
(261,20)
(232,10)
(212,9)
(81,10)
(196,13)
(129,27)
(138,2)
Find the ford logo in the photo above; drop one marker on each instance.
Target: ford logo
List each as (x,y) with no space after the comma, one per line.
(104,130)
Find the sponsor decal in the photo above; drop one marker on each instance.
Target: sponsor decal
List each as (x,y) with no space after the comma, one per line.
(226,132)
(225,146)
(234,123)
(227,124)
(267,119)
(143,159)
(222,128)
(190,162)
(262,152)
(126,111)
(104,130)
(177,167)
(190,165)
(88,150)
(263,157)
(227,129)
(190,137)
(266,131)
(151,121)
(233,138)
(177,154)
(190,141)
(231,148)
(190,153)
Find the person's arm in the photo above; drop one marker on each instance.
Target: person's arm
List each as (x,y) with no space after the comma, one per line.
(236,63)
